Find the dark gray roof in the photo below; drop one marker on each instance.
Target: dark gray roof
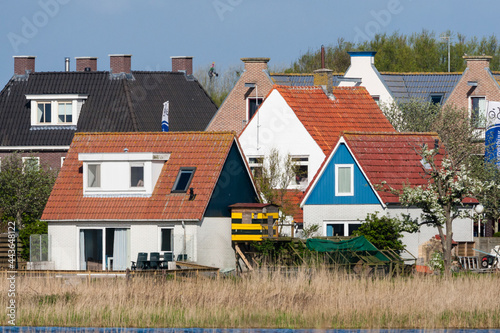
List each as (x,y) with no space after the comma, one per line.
(298,79)
(421,86)
(114,104)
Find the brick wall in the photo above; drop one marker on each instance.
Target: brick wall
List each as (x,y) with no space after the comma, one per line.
(50,159)
(232,114)
(477,70)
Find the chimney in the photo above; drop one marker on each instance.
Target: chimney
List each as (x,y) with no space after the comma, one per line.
(120,63)
(82,63)
(477,62)
(324,78)
(182,64)
(66,64)
(23,64)
(255,64)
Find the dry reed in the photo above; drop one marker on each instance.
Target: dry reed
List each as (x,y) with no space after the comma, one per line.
(318,299)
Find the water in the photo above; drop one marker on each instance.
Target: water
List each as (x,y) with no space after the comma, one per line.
(16,329)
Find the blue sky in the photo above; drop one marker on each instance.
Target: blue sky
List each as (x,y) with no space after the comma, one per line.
(222,31)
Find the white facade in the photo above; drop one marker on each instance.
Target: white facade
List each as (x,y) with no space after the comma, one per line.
(322,215)
(275,125)
(363,67)
(207,242)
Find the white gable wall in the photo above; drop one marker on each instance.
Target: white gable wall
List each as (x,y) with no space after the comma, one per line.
(362,66)
(214,243)
(276,126)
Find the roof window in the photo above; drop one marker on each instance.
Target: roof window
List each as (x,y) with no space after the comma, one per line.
(183,180)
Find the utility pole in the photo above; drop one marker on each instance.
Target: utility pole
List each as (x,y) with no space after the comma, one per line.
(447,37)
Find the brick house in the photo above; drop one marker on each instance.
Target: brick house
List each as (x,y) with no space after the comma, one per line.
(41,111)
(242,101)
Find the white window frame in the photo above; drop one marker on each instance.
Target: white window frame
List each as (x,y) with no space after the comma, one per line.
(376,99)
(86,177)
(345,223)
(137,187)
(485,110)
(337,167)
(72,113)
(301,163)
(26,158)
(252,165)
(76,101)
(160,239)
(63,158)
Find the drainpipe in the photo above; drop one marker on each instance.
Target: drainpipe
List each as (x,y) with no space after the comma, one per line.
(184,241)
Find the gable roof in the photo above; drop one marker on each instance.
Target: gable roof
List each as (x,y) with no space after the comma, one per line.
(207,151)
(114,104)
(389,157)
(353,109)
(406,86)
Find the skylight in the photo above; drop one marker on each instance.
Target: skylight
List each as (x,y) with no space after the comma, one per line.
(183,180)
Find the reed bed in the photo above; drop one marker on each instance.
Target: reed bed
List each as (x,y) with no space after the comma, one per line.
(306,299)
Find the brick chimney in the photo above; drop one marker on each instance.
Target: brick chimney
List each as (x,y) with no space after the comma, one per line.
(477,62)
(120,63)
(324,78)
(23,64)
(182,63)
(86,62)
(255,64)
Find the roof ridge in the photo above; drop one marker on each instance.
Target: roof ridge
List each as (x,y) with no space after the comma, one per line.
(159,132)
(304,74)
(421,73)
(390,133)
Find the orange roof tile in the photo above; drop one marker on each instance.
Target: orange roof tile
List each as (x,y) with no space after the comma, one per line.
(207,151)
(353,109)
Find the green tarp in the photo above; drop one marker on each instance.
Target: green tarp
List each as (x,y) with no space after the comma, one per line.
(357,247)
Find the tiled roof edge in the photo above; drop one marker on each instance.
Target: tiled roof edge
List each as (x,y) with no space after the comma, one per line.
(421,73)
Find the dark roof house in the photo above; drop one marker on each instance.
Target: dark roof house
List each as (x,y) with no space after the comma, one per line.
(41,111)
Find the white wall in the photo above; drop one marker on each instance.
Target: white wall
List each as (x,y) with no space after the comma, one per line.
(362,66)
(214,243)
(63,245)
(280,128)
(318,214)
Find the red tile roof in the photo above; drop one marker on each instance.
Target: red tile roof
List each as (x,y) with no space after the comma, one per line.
(353,109)
(207,151)
(392,157)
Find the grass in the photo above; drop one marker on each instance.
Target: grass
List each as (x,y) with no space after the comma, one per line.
(320,299)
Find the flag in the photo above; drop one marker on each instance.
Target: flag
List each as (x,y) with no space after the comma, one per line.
(164,118)
(492,137)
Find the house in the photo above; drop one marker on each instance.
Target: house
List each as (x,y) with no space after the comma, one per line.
(243,100)
(305,122)
(345,189)
(41,111)
(119,194)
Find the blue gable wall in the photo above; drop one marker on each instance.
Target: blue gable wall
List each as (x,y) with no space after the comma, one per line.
(324,191)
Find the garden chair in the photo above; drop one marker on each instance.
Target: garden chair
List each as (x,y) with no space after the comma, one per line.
(154,260)
(141,262)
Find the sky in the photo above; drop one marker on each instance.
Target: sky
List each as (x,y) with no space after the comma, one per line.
(220,31)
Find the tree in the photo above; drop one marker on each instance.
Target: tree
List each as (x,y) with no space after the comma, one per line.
(273,180)
(385,232)
(412,116)
(24,190)
(218,87)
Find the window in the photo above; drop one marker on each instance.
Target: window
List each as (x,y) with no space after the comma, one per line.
(253,105)
(44,113)
(94,175)
(137,175)
(31,163)
(341,228)
(255,164)
(183,180)
(301,169)
(65,112)
(478,111)
(436,98)
(344,180)
(376,99)
(166,240)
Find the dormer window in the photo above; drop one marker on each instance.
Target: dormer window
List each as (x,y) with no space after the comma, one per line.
(55,110)
(183,180)
(131,174)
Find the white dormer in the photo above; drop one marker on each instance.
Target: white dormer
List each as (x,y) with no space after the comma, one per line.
(121,174)
(55,109)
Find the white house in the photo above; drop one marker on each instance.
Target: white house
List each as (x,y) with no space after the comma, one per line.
(306,122)
(119,194)
(344,190)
